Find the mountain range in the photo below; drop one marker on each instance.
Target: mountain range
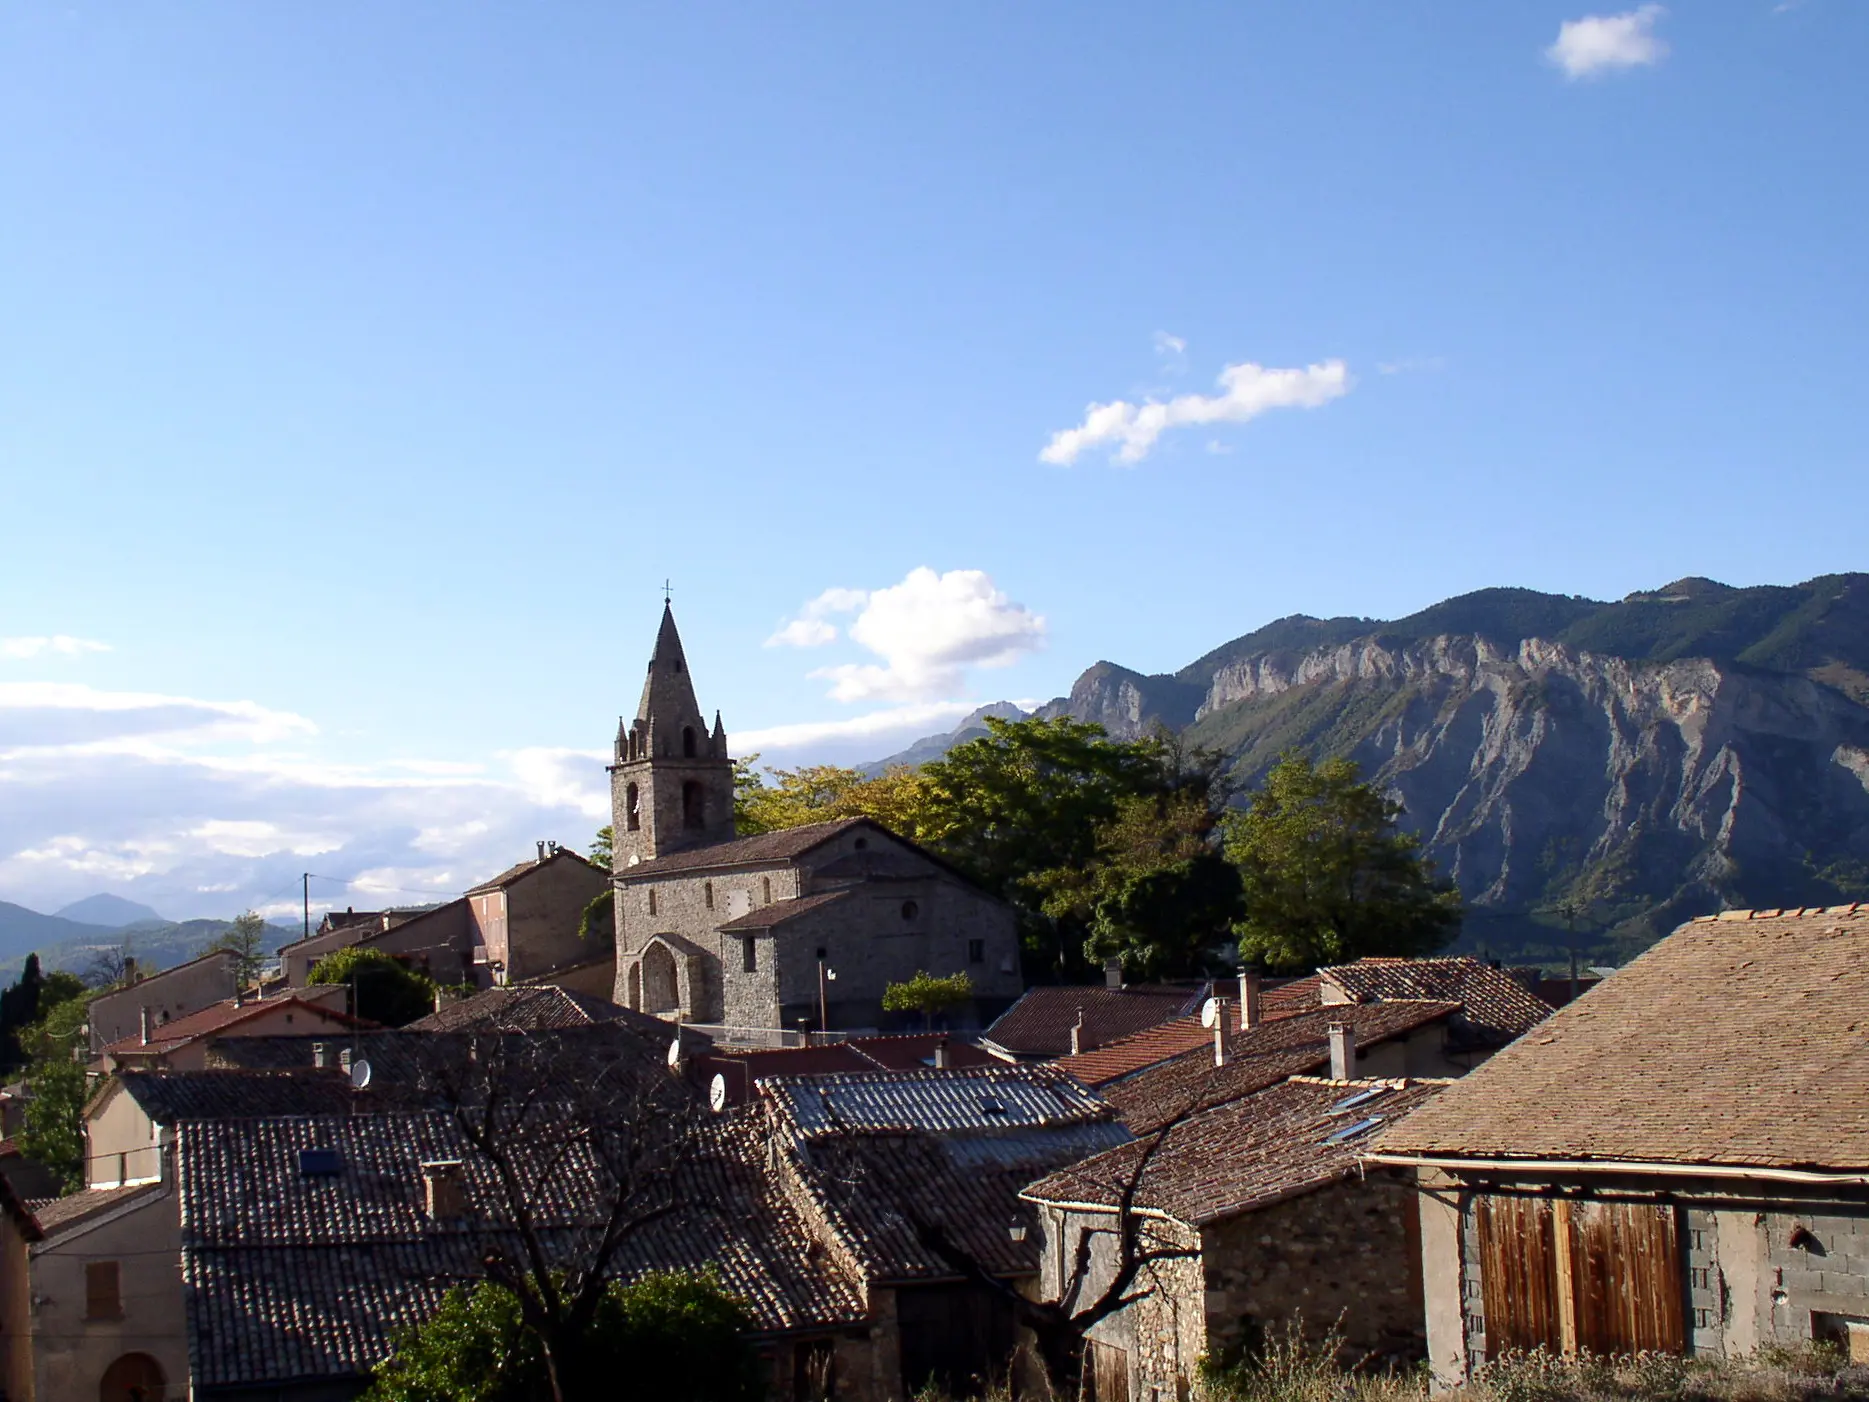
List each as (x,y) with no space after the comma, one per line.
(65,943)
(1610,766)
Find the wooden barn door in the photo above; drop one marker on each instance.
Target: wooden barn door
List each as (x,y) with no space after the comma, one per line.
(1570,1277)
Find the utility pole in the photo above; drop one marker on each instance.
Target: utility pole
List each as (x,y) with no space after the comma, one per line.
(825,975)
(1570,927)
(305,881)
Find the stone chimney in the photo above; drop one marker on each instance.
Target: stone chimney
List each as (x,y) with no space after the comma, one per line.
(1223,1032)
(941,1059)
(321,1055)
(1113,973)
(1077,1033)
(1342,1052)
(145,1032)
(541,851)
(1249,999)
(129,968)
(444,1193)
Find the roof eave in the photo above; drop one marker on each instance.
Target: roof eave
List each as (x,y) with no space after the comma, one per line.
(1457,1163)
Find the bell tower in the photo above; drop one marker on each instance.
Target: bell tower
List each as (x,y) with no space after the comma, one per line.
(671,782)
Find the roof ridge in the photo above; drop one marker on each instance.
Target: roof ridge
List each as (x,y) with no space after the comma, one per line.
(1786,912)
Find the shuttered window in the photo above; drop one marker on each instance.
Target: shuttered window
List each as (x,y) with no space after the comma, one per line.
(1570,1277)
(103,1293)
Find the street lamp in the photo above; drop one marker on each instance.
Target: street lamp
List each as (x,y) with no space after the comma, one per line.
(826,976)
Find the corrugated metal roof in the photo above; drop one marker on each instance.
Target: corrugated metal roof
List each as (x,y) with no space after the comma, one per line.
(933,1102)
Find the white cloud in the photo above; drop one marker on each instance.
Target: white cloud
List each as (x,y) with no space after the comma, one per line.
(559,778)
(58,645)
(1599,44)
(1246,391)
(1172,350)
(928,630)
(810,628)
(909,721)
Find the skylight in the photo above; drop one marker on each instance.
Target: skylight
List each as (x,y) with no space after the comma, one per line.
(320,1163)
(1361,1127)
(1361,1097)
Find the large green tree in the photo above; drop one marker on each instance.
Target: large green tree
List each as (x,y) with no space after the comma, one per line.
(386,990)
(245,939)
(1327,875)
(55,1081)
(674,1336)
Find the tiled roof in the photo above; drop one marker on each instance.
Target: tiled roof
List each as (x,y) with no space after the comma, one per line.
(519,869)
(217,1018)
(1246,1154)
(766,916)
(989,1099)
(1741,1039)
(1127,1055)
(526,1009)
(1039,1024)
(915,1052)
(1495,1007)
(171,1096)
(56,1214)
(1287,1047)
(781,846)
(305,1277)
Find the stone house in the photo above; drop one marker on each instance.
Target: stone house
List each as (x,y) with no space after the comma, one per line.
(782,928)
(1247,1217)
(438,942)
(879,1164)
(525,920)
(1054,1021)
(181,1044)
(186,988)
(1673,1162)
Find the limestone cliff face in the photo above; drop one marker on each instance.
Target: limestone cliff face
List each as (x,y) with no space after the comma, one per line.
(1127,704)
(1539,772)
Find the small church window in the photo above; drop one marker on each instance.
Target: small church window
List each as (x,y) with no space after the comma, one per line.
(765,889)
(632,808)
(749,955)
(707,894)
(910,910)
(693,805)
(687,742)
(651,894)
(976,951)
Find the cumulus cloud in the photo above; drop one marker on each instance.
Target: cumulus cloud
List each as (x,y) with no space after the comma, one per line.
(1598,44)
(811,627)
(927,631)
(1169,345)
(1246,391)
(205,807)
(57,645)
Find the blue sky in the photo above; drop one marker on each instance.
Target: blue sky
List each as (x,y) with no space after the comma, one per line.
(364,371)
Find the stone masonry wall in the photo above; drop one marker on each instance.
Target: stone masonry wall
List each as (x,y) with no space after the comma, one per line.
(543,909)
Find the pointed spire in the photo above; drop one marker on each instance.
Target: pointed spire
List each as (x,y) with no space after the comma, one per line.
(667,693)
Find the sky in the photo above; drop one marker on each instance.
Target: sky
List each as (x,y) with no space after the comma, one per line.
(365,372)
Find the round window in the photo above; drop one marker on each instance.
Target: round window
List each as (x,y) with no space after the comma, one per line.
(910,910)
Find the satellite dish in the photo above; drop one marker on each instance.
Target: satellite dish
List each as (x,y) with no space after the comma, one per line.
(359,1074)
(717,1094)
(1210,1012)
(674,1054)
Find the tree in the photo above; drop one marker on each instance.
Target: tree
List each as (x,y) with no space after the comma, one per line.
(1328,877)
(53,1132)
(245,939)
(385,990)
(593,1119)
(675,1335)
(820,793)
(109,967)
(928,995)
(603,847)
(19,1006)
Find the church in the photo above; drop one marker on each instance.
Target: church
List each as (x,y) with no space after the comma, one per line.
(800,929)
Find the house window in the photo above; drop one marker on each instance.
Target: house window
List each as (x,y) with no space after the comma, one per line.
(976,951)
(910,910)
(765,888)
(651,894)
(707,894)
(749,955)
(103,1290)
(632,810)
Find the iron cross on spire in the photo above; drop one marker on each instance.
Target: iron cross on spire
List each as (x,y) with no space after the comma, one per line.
(668,594)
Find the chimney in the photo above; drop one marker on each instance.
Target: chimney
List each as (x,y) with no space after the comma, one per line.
(1113,973)
(443,1191)
(343,1059)
(1249,999)
(1342,1052)
(941,1060)
(541,851)
(1077,1033)
(129,968)
(145,1011)
(1223,1032)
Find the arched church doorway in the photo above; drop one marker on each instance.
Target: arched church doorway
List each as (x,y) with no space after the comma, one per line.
(135,1377)
(660,991)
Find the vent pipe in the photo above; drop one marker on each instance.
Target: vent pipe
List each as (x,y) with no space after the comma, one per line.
(321,1055)
(145,1035)
(941,1059)
(1077,1033)
(1249,999)
(541,851)
(1113,973)
(1342,1052)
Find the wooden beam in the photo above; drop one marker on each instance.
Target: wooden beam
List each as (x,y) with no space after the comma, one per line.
(1566,1277)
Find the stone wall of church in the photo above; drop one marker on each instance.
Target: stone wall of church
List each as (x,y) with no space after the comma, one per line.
(695,906)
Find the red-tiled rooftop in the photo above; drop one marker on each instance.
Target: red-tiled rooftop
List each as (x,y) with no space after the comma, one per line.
(217,1017)
(1040,1023)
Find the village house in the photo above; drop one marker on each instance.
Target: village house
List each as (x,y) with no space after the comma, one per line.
(181,1043)
(882,1164)
(438,942)
(1248,1217)
(806,926)
(161,997)
(1057,1020)
(1675,1162)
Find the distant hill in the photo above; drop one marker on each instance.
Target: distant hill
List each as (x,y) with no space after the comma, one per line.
(112,912)
(72,946)
(931,747)
(1683,749)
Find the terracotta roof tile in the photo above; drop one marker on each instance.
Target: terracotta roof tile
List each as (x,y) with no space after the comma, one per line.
(1740,1040)
(1245,1154)
(56,1214)
(1039,1024)
(168,1097)
(527,1008)
(1495,1007)
(766,916)
(215,1019)
(781,846)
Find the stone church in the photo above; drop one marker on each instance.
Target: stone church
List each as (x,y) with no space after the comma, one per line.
(748,932)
